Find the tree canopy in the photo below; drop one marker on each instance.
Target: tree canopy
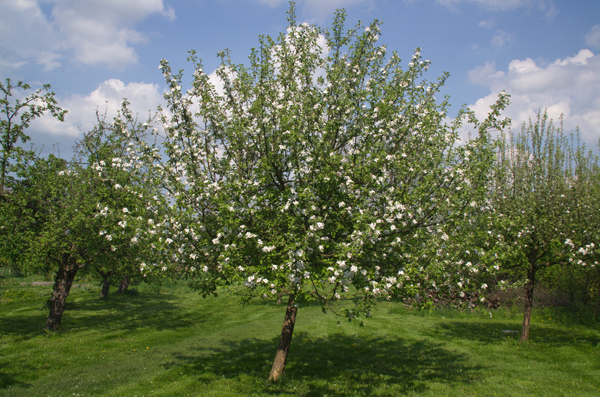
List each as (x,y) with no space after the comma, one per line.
(322,170)
(544,197)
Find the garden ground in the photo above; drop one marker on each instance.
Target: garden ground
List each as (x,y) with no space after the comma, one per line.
(169,341)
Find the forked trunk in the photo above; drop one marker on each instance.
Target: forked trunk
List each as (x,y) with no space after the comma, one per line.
(62,285)
(285,341)
(529,286)
(124,285)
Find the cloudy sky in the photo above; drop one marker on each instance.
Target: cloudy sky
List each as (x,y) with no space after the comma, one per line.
(545,53)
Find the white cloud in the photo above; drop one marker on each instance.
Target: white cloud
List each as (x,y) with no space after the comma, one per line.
(502,38)
(518,67)
(107,98)
(144,98)
(100,32)
(580,58)
(26,35)
(488,23)
(93,31)
(117,12)
(217,82)
(483,74)
(592,39)
(569,86)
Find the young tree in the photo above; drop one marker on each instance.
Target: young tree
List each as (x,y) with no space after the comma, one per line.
(545,205)
(323,171)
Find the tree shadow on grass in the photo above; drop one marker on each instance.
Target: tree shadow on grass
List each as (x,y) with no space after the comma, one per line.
(7,379)
(23,326)
(119,313)
(333,365)
(494,331)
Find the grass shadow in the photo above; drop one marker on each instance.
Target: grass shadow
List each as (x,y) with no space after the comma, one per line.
(7,380)
(494,331)
(337,364)
(85,311)
(129,312)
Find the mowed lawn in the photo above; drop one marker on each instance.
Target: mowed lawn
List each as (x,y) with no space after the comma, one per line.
(170,342)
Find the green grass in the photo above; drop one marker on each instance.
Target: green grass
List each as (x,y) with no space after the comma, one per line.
(170,342)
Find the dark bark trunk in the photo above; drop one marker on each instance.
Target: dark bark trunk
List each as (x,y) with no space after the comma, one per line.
(285,341)
(529,287)
(105,283)
(105,288)
(124,285)
(62,285)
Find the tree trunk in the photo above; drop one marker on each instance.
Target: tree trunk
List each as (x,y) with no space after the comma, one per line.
(105,288)
(124,285)
(285,341)
(62,285)
(105,283)
(529,286)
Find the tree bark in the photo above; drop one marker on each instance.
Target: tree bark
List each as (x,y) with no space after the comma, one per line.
(285,341)
(124,284)
(62,285)
(105,284)
(105,289)
(529,286)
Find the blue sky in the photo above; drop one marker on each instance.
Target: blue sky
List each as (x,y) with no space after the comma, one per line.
(545,53)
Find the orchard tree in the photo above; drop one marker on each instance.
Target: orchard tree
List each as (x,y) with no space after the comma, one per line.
(103,150)
(15,118)
(322,171)
(585,216)
(546,205)
(77,216)
(16,114)
(52,212)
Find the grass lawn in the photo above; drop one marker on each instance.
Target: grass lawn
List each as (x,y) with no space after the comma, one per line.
(171,342)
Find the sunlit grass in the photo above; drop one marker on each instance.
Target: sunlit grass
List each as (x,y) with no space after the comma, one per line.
(170,341)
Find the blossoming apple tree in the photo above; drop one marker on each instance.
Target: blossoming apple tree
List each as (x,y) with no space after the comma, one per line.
(15,117)
(81,215)
(123,204)
(545,205)
(17,111)
(321,171)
